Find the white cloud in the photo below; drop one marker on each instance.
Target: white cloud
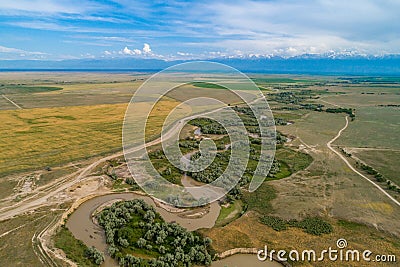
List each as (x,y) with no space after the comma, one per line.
(134,52)
(16,53)
(183,54)
(146,48)
(50,6)
(317,26)
(127,51)
(4,49)
(235,28)
(11,50)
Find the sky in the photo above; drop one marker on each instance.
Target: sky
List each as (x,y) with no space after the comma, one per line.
(74,29)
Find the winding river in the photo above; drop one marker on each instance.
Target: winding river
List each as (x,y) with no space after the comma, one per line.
(82,227)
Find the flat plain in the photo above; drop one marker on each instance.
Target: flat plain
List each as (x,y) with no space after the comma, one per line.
(64,122)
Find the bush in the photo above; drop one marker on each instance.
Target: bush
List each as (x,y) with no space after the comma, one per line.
(311,225)
(275,223)
(315,226)
(95,255)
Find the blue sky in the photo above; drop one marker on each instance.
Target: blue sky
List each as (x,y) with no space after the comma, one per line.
(71,29)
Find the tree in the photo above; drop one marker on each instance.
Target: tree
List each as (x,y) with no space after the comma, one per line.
(141,242)
(95,255)
(161,249)
(112,250)
(123,242)
(207,241)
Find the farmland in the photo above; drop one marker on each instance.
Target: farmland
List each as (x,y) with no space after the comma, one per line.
(65,141)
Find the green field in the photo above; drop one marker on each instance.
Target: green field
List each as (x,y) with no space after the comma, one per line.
(384,161)
(230,213)
(22,89)
(376,127)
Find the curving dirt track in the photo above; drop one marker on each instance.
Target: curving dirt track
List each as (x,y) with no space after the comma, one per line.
(329,145)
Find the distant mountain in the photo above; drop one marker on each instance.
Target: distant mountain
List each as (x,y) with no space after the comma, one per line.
(318,65)
(85,64)
(305,64)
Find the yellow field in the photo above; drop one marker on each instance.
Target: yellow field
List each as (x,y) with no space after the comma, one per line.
(39,137)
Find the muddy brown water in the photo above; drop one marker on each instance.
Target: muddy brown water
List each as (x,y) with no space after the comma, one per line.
(83,228)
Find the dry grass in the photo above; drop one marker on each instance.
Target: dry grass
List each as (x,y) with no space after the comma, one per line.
(36,138)
(16,248)
(328,187)
(247,231)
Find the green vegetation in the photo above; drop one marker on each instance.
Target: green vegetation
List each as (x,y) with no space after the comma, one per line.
(260,200)
(207,85)
(373,80)
(230,213)
(208,126)
(284,171)
(311,225)
(383,161)
(297,100)
(165,167)
(24,89)
(73,248)
(280,121)
(350,225)
(276,223)
(295,160)
(138,236)
(382,122)
(314,226)
(287,161)
(287,116)
(348,111)
(378,176)
(215,170)
(94,255)
(281,80)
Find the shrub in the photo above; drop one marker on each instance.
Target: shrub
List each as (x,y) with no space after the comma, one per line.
(276,223)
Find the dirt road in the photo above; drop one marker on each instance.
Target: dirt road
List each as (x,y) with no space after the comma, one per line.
(329,145)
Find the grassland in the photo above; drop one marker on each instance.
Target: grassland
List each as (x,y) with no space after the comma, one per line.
(260,200)
(229,213)
(17,248)
(383,122)
(51,136)
(41,137)
(295,160)
(248,231)
(197,90)
(84,119)
(384,161)
(22,89)
(74,249)
(60,94)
